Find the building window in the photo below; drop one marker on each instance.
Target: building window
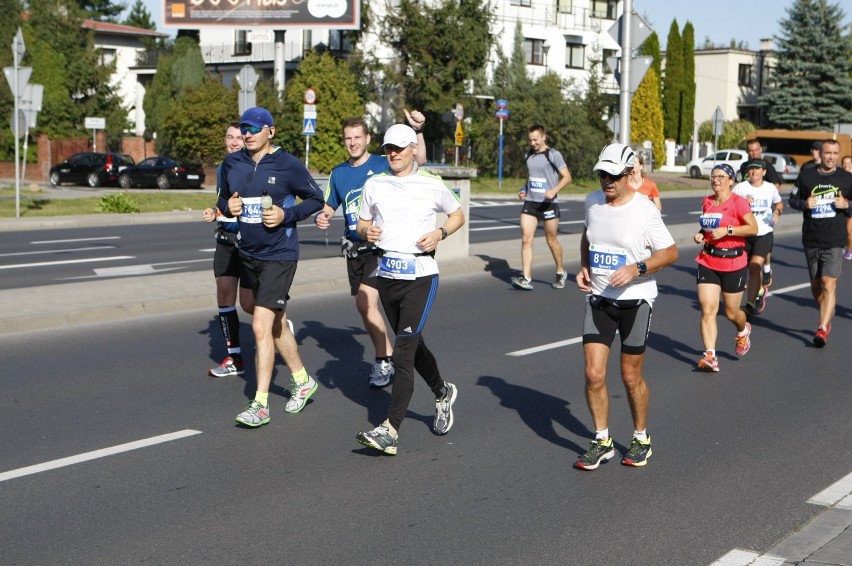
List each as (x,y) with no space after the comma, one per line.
(604,9)
(745,75)
(564,6)
(575,56)
(534,49)
(241,45)
(107,56)
(339,41)
(525,3)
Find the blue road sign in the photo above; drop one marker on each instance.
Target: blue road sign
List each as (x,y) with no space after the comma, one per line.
(310,127)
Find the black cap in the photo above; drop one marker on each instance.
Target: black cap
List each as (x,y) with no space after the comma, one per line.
(756,163)
(816,145)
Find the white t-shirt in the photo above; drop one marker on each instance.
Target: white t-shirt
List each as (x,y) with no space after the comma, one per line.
(761,198)
(623,235)
(405,208)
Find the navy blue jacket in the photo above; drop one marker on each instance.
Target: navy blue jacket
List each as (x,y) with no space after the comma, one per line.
(284,177)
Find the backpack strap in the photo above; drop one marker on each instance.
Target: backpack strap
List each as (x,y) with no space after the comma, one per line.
(546,156)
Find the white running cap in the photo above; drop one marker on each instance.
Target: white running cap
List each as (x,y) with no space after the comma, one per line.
(615,158)
(400,135)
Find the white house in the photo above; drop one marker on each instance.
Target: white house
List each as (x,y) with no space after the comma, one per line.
(133,69)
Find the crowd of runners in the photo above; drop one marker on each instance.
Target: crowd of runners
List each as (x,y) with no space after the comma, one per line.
(390,207)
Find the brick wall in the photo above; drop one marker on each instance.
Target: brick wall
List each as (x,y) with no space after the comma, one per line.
(53,151)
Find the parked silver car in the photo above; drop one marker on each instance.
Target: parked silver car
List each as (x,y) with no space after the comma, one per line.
(785,165)
(702,166)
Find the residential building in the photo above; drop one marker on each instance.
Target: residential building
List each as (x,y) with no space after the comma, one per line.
(733,80)
(134,64)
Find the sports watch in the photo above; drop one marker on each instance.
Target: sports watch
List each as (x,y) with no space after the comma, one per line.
(643,269)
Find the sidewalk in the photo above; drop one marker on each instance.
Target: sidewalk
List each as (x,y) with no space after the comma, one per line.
(827,540)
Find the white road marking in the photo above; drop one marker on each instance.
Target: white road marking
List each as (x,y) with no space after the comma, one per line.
(76,240)
(66,262)
(141,269)
(103,452)
(87,249)
(544,347)
(739,557)
(839,493)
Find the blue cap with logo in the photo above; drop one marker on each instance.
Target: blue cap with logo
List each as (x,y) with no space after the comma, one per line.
(257,117)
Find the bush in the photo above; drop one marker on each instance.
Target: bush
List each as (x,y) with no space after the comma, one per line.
(118,202)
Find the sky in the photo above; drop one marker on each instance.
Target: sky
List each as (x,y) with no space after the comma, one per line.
(720,20)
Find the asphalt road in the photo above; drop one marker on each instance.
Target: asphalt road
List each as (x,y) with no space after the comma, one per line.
(59,255)
(736,457)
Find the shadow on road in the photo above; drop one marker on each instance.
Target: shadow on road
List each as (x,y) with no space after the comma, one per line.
(538,411)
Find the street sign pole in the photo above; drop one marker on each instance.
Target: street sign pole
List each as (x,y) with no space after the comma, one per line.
(18,50)
(502,114)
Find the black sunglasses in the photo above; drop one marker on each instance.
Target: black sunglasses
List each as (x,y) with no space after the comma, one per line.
(605,174)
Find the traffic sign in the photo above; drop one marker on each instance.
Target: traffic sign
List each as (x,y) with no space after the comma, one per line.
(310,111)
(639,31)
(459,133)
(23,77)
(459,111)
(310,96)
(21,123)
(18,46)
(502,109)
(94,123)
(247,78)
(310,126)
(638,67)
(718,121)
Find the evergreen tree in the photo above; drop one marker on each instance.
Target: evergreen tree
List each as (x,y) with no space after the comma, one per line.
(813,88)
(673,83)
(646,115)
(179,69)
(687,117)
(140,17)
(101,10)
(337,99)
(651,48)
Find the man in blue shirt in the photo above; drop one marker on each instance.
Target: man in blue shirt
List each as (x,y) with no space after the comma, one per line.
(344,189)
(259,185)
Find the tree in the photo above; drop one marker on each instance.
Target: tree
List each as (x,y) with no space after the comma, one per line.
(101,10)
(179,69)
(140,17)
(574,126)
(673,83)
(813,88)
(8,28)
(646,115)
(196,125)
(651,48)
(687,118)
(734,132)
(65,61)
(439,48)
(337,99)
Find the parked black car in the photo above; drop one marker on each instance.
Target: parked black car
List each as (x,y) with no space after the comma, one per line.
(163,173)
(90,168)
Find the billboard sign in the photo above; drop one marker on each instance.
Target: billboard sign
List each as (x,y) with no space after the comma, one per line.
(333,14)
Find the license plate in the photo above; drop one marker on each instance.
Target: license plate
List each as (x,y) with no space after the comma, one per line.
(192,177)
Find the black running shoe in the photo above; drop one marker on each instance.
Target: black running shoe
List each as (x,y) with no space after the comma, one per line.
(598,450)
(638,453)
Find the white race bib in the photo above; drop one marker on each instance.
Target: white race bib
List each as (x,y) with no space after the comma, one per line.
(605,260)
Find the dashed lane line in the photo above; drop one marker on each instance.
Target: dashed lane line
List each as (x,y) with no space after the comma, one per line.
(102,453)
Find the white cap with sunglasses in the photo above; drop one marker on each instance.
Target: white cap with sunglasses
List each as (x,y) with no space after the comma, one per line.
(615,159)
